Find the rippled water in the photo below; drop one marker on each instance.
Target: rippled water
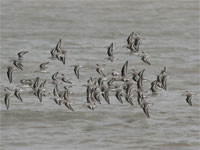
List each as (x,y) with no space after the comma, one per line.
(171,36)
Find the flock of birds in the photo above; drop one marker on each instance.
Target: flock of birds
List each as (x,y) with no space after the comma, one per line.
(97,88)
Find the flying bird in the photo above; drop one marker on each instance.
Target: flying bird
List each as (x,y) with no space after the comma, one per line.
(76,70)
(188,95)
(20,54)
(7,97)
(10,72)
(124,71)
(100,69)
(17,94)
(144,59)
(145,106)
(43,67)
(110,53)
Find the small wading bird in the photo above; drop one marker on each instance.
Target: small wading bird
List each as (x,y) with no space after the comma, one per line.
(110,53)
(124,71)
(100,69)
(144,57)
(17,94)
(65,79)
(10,73)
(76,70)
(43,67)
(154,87)
(20,54)
(188,95)
(7,97)
(145,106)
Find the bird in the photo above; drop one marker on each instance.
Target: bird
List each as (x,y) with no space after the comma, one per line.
(20,54)
(65,79)
(90,103)
(76,70)
(58,46)
(154,87)
(124,71)
(40,91)
(26,82)
(56,50)
(188,95)
(43,67)
(7,97)
(110,53)
(99,69)
(140,97)
(17,94)
(56,97)
(130,39)
(35,84)
(128,87)
(105,93)
(139,82)
(164,81)
(55,90)
(145,60)
(145,106)
(53,53)
(55,78)
(10,72)
(135,75)
(67,102)
(61,57)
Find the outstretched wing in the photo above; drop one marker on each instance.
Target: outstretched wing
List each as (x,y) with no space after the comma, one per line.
(124,69)
(110,50)
(58,46)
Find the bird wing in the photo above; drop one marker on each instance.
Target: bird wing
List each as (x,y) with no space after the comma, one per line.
(189,100)
(7,99)
(124,69)
(9,74)
(110,50)
(42,66)
(76,71)
(58,46)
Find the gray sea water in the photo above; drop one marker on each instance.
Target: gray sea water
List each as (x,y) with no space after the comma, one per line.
(171,32)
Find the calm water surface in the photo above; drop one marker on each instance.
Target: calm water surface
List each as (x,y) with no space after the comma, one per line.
(171,36)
